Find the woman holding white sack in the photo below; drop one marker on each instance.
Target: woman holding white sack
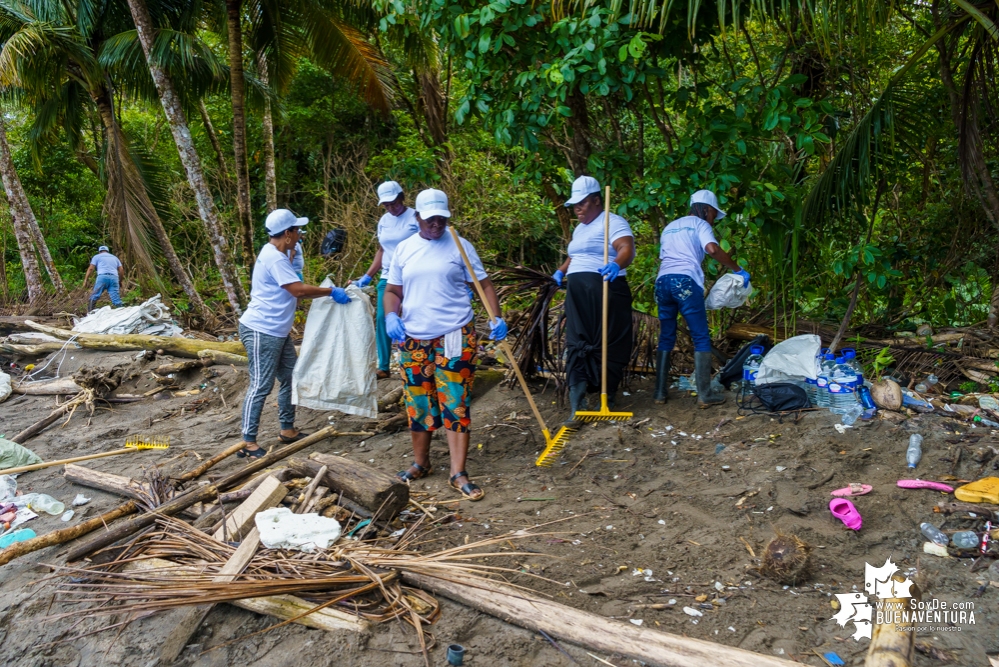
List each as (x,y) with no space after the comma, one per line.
(428,281)
(680,290)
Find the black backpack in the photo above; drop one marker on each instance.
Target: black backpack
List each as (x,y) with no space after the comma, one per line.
(334,242)
(732,370)
(774,397)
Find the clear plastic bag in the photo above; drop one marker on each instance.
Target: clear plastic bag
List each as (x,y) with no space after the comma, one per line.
(728,292)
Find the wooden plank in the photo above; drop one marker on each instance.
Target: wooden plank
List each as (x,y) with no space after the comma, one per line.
(281,607)
(104,481)
(240,521)
(597,633)
(892,645)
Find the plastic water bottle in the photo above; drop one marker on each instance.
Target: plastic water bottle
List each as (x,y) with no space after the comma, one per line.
(751,367)
(842,385)
(933,534)
(822,384)
(47,504)
(865,398)
(850,355)
(915,450)
(965,539)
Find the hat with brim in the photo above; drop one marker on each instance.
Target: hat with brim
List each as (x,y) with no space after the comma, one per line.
(431,203)
(582,187)
(103,248)
(282,219)
(709,198)
(388,191)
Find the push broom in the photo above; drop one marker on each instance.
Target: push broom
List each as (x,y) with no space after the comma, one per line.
(604,414)
(553,445)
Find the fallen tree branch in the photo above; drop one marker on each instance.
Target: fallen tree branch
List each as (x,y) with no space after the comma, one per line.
(19,549)
(181,347)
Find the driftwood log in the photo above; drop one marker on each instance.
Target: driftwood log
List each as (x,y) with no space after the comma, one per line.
(220,357)
(372,489)
(183,366)
(181,347)
(59,386)
(891,644)
(66,534)
(42,424)
(199,494)
(597,633)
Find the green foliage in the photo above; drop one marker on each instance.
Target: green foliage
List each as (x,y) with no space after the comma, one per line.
(882,361)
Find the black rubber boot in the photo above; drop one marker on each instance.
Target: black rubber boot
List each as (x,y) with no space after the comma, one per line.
(706,395)
(662,377)
(577,402)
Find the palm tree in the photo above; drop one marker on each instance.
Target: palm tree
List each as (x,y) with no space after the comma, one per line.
(237,83)
(49,54)
(20,209)
(174,110)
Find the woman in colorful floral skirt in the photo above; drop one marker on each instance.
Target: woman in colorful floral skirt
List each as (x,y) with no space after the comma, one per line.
(429,282)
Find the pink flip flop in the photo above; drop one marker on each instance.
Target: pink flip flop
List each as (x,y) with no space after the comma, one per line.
(853,490)
(846,512)
(923,484)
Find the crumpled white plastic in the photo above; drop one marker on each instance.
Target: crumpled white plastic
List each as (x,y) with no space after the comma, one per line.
(728,292)
(151,318)
(280,528)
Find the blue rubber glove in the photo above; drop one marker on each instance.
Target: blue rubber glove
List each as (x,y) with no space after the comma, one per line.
(558,277)
(339,295)
(498,329)
(745,276)
(610,270)
(363,280)
(394,328)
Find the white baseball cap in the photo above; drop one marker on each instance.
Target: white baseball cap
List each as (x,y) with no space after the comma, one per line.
(432,202)
(103,247)
(583,187)
(707,197)
(388,191)
(281,219)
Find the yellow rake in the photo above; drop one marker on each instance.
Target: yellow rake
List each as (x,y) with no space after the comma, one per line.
(553,445)
(132,444)
(604,414)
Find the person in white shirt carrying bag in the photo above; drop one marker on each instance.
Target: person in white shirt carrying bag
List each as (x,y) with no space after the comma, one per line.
(264,328)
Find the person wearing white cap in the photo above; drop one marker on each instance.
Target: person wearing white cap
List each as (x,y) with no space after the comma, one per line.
(680,289)
(584,272)
(429,281)
(110,273)
(396,225)
(264,328)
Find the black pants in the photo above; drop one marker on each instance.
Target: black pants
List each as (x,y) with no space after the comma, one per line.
(583,313)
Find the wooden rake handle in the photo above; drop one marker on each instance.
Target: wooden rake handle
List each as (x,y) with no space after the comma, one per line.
(606,301)
(47,464)
(503,345)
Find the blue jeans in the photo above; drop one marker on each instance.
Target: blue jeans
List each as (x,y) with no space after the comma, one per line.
(382,340)
(105,283)
(679,293)
(269,357)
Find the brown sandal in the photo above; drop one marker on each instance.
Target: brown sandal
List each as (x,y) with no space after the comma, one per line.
(468,489)
(421,472)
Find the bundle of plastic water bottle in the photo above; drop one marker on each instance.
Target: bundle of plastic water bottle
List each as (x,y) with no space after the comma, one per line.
(839,384)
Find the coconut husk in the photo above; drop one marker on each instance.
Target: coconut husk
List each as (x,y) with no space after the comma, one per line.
(786,559)
(887,395)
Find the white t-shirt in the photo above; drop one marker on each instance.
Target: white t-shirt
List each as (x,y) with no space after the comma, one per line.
(298,261)
(272,307)
(586,250)
(434,282)
(682,247)
(106,263)
(391,231)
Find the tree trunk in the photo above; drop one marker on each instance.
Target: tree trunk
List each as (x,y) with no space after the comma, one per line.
(20,210)
(270,167)
(237,83)
(579,121)
(213,137)
(188,156)
(134,202)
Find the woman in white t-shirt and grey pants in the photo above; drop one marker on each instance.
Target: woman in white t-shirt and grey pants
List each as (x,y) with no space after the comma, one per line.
(585,272)
(429,281)
(680,289)
(265,326)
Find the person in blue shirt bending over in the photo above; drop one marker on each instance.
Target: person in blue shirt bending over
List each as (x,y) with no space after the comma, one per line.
(109,276)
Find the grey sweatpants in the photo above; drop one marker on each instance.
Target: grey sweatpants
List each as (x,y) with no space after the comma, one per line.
(270,357)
